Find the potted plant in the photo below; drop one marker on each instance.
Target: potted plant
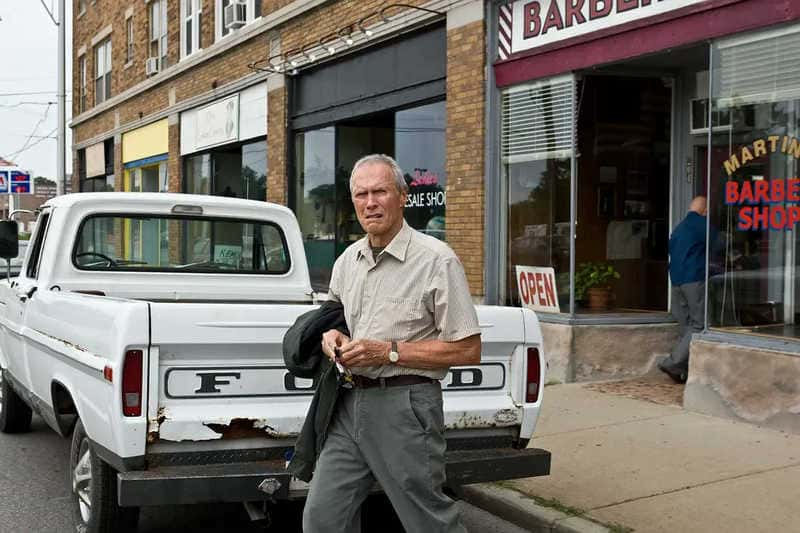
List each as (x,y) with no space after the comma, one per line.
(592,283)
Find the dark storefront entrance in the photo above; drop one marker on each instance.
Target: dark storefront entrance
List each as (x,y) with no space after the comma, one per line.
(388,99)
(624,185)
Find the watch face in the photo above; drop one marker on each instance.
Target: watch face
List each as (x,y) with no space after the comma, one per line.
(394,357)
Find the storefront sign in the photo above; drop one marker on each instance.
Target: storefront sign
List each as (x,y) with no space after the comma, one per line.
(218,123)
(3,181)
(17,182)
(527,24)
(761,198)
(236,117)
(147,141)
(537,288)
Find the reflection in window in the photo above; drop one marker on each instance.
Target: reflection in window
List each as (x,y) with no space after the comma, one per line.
(315,204)
(538,222)
(752,286)
(420,148)
(235,171)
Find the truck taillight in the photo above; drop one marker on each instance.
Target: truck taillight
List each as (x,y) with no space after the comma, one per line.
(534,373)
(132,383)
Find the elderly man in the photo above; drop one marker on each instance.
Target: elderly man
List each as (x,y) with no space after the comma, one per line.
(687,271)
(410,315)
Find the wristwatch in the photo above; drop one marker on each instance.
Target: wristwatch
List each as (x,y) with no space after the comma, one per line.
(394,357)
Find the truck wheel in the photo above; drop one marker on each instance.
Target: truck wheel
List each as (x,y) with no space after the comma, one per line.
(15,415)
(94,491)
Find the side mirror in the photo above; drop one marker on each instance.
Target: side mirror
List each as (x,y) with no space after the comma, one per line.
(9,239)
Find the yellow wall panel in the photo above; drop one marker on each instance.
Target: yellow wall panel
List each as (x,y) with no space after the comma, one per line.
(146,141)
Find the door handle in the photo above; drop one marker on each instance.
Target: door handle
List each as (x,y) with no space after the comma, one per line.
(26,295)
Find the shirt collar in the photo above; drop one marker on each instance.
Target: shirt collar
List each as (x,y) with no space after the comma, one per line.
(397,248)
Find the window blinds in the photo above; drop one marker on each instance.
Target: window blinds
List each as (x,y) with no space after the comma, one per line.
(537,120)
(758,68)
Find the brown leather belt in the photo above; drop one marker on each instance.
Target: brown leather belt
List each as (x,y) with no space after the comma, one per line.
(362,382)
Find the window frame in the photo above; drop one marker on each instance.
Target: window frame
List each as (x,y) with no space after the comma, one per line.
(129,40)
(32,270)
(82,72)
(219,26)
(162,38)
(196,20)
(171,217)
(105,47)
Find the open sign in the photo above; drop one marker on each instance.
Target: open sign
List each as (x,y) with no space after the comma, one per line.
(537,288)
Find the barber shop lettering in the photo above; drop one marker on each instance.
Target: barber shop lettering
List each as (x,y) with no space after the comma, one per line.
(539,19)
(760,197)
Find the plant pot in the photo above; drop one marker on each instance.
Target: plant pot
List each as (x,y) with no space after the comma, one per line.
(599,298)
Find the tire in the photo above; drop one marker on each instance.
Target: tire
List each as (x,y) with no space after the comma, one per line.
(94,491)
(15,415)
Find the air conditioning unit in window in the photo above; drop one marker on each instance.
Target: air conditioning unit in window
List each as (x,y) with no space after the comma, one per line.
(152,66)
(235,15)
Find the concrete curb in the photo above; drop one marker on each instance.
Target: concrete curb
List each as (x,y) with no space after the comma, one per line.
(525,512)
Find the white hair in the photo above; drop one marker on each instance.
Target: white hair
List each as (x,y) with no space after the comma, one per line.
(383,159)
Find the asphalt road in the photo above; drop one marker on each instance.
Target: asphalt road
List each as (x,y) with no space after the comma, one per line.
(35,496)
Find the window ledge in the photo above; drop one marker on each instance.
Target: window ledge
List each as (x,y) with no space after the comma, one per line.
(607,319)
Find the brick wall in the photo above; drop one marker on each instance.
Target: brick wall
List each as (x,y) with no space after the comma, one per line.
(174,170)
(465,148)
(277,180)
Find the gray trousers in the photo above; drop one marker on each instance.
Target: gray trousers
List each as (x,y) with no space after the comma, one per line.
(688,308)
(394,436)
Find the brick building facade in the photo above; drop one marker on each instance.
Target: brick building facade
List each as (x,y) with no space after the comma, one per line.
(206,110)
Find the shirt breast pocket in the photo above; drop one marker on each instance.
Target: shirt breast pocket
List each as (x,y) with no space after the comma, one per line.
(399,316)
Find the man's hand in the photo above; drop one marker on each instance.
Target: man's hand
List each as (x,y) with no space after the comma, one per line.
(333,339)
(365,352)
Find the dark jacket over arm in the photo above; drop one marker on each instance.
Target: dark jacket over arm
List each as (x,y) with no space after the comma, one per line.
(303,355)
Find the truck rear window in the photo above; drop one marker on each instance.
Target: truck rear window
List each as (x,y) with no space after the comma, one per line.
(180,244)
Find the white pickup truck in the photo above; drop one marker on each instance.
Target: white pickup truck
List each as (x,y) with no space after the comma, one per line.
(149,327)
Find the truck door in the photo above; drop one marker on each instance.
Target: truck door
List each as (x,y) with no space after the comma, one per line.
(20,292)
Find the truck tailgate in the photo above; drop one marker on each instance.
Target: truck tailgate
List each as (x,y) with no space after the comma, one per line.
(216,373)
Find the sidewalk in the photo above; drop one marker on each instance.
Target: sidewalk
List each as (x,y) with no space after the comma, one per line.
(646,466)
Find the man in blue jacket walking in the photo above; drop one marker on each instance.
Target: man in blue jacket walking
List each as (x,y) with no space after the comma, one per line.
(687,271)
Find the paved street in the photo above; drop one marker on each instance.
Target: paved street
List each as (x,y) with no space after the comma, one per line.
(33,480)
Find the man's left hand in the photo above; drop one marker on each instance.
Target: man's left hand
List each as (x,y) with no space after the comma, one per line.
(365,352)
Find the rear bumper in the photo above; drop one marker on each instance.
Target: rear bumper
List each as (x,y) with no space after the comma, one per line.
(240,481)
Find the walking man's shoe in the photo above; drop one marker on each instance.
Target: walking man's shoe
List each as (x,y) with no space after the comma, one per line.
(677,375)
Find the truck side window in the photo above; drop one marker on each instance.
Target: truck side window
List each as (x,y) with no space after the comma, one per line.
(38,241)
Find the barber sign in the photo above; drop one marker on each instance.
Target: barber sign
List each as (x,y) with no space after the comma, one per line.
(537,288)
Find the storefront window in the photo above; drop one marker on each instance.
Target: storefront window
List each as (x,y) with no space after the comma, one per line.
(420,146)
(315,203)
(237,171)
(324,159)
(536,150)
(754,203)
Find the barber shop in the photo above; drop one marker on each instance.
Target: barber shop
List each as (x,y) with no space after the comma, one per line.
(607,118)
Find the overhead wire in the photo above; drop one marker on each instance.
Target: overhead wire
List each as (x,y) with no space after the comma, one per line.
(27,143)
(31,145)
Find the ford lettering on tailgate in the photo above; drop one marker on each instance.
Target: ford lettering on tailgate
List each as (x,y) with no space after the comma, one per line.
(265,381)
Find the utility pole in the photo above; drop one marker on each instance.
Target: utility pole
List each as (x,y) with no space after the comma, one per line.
(61,168)
(61,98)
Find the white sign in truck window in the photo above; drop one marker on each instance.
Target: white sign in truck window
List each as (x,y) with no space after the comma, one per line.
(537,288)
